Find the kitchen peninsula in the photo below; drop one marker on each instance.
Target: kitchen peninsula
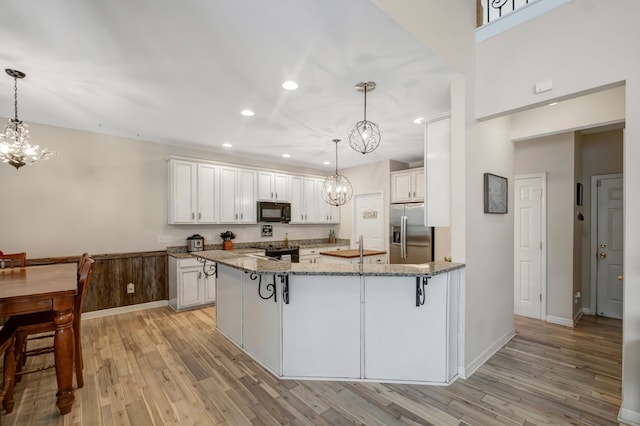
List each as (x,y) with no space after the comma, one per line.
(378,322)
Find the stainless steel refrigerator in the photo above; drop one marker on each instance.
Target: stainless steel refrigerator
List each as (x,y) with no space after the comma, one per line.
(411,241)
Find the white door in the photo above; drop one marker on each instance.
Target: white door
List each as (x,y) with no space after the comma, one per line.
(369,220)
(529,229)
(610,247)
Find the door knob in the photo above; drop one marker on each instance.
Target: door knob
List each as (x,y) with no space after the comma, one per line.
(603,255)
(620,277)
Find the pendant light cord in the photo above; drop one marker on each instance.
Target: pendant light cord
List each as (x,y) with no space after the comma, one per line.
(15,97)
(365,102)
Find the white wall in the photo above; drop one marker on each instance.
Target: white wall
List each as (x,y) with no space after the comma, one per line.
(554,155)
(581,46)
(103,194)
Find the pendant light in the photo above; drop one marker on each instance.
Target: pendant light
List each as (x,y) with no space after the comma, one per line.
(337,189)
(15,148)
(364,136)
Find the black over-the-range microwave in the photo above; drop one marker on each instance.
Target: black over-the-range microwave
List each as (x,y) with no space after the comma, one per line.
(274,212)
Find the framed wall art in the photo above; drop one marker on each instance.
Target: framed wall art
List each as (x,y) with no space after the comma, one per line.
(495,194)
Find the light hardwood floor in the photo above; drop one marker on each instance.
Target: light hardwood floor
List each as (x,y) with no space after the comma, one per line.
(158,367)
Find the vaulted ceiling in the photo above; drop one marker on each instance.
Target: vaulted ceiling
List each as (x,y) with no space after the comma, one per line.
(180,72)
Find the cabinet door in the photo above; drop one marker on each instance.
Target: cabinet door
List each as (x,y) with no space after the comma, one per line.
(229,303)
(228,190)
(266,190)
(396,352)
(189,288)
(309,199)
(281,187)
(321,210)
(182,187)
(334,214)
(401,187)
(296,198)
(207,205)
(417,184)
(247,207)
(210,289)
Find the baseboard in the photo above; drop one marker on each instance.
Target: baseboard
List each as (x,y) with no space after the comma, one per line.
(466,372)
(587,311)
(124,309)
(630,417)
(560,320)
(577,317)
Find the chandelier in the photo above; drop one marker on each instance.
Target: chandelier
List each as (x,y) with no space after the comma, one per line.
(15,148)
(364,136)
(337,189)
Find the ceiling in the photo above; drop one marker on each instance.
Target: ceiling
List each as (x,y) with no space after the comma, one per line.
(180,72)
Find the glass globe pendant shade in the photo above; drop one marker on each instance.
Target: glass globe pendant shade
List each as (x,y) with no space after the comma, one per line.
(336,189)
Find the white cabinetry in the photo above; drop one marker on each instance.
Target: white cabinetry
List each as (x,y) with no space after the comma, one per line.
(273,186)
(312,255)
(325,213)
(307,205)
(407,185)
(192,192)
(379,259)
(189,287)
(237,195)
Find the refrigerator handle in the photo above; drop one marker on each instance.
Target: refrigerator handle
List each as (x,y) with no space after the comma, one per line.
(403,237)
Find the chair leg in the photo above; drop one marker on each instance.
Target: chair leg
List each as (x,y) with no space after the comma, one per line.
(9,373)
(77,357)
(20,358)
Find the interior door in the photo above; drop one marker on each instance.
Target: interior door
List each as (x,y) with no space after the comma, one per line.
(528,247)
(610,248)
(369,220)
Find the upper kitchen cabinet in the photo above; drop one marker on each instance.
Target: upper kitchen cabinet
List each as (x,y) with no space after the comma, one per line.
(192,192)
(273,186)
(325,213)
(237,195)
(408,186)
(301,197)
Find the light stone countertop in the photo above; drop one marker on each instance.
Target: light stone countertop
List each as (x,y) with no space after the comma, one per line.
(263,265)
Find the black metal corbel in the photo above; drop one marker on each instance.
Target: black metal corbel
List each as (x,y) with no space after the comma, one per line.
(421,290)
(210,270)
(270,287)
(284,279)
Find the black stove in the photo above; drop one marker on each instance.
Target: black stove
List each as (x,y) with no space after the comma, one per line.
(280,252)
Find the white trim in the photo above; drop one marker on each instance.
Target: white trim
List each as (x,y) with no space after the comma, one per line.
(629,417)
(124,309)
(515,18)
(567,322)
(577,317)
(543,236)
(488,353)
(594,237)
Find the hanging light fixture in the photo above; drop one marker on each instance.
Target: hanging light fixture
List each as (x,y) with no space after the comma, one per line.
(364,136)
(337,189)
(15,148)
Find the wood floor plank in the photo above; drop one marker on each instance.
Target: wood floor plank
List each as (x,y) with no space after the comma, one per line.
(159,367)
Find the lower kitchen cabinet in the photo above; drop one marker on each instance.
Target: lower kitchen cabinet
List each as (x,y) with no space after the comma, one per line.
(189,286)
(312,255)
(379,259)
(229,306)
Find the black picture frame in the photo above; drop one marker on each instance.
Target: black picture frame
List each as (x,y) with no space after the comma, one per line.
(496,189)
(579,194)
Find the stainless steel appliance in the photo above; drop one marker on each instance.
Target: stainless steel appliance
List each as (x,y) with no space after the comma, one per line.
(411,241)
(274,212)
(195,243)
(287,254)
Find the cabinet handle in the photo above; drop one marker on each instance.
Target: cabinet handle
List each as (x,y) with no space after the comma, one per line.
(276,195)
(199,275)
(272,195)
(193,215)
(409,194)
(241,215)
(199,215)
(414,194)
(236,216)
(301,216)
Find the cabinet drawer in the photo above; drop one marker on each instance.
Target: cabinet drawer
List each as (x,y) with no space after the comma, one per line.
(188,263)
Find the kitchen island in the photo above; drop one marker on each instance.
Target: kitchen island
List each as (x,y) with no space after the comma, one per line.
(396,323)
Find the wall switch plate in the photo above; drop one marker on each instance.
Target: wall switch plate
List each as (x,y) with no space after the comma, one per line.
(165,238)
(131,288)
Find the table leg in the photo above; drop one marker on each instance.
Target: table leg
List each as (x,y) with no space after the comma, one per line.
(63,347)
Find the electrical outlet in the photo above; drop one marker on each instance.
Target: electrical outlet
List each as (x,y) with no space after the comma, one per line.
(165,238)
(131,288)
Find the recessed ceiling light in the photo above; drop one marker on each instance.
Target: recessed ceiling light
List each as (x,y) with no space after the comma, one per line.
(286,155)
(247,113)
(290,85)
(419,120)
(326,163)
(553,103)
(227,145)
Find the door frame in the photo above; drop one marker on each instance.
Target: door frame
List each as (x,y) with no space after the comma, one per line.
(543,237)
(593,261)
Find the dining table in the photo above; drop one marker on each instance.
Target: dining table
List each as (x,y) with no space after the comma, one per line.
(46,288)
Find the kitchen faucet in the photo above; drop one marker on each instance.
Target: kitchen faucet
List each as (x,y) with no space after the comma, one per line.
(361,250)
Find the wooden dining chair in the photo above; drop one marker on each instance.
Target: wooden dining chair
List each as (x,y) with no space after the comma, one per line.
(13,260)
(40,323)
(7,342)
